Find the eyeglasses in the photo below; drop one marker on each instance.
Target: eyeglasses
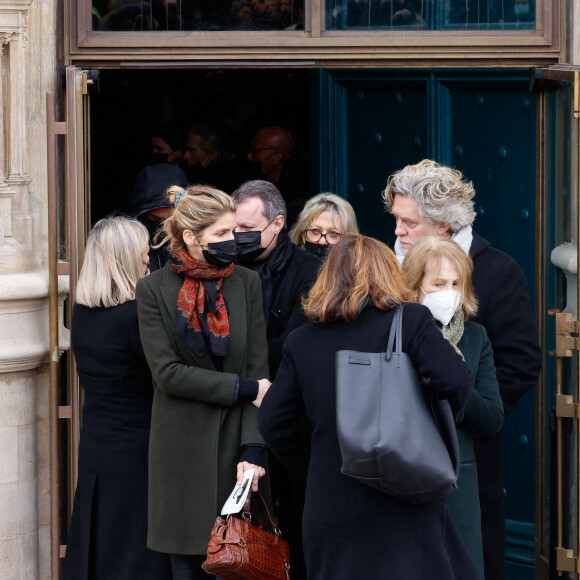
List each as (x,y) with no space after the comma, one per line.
(253,150)
(315,236)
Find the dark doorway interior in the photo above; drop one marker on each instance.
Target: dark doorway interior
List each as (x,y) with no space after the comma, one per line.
(131,105)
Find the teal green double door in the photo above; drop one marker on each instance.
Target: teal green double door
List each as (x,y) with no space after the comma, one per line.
(373,122)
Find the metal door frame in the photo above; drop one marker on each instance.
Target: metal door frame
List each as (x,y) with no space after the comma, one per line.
(566,405)
(64,398)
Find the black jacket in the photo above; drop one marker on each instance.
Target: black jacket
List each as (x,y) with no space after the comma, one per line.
(108,531)
(286,313)
(505,311)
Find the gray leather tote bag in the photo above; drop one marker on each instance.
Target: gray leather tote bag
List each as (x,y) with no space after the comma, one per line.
(393,434)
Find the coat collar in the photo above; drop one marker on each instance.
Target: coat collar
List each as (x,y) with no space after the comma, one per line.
(234,296)
(478,245)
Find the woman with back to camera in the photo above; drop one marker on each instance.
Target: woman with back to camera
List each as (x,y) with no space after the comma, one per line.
(439,273)
(203,333)
(322,222)
(108,532)
(352,530)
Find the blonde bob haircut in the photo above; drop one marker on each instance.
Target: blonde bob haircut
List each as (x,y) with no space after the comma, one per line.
(113,263)
(337,206)
(198,208)
(357,270)
(433,249)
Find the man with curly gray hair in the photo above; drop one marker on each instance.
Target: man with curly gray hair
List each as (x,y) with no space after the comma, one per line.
(429,199)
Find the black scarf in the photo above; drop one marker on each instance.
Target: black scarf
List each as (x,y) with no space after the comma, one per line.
(271,268)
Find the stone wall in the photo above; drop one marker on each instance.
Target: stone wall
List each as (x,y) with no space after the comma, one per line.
(27,72)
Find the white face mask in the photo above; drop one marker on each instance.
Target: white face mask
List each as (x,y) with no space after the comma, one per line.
(442,304)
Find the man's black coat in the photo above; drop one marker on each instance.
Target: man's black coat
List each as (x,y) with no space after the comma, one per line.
(506,312)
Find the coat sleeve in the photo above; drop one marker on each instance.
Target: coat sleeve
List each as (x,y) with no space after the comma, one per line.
(135,340)
(435,359)
(484,414)
(170,374)
(510,325)
(281,417)
(257,365)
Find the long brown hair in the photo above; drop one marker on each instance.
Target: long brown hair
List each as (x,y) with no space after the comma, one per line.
(358,269)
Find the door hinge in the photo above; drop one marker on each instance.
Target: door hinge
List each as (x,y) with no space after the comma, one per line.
(565,561)
(565,328)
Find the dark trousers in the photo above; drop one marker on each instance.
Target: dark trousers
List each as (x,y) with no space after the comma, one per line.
(188,567)
(288,494)
(489,476)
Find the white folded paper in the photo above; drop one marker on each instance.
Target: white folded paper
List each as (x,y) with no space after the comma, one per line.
(238,496)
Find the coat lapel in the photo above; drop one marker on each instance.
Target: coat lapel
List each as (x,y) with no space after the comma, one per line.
(234,295)
(170,290)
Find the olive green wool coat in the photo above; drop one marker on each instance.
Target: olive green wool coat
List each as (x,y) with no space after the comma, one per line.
(197,434)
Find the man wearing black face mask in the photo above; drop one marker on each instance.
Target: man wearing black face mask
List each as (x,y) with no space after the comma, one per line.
(287,273)
(150,205)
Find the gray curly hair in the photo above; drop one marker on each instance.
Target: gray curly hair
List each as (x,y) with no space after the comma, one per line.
(442,193)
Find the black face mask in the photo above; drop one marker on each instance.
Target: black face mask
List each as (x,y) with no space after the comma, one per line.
(320,250)
(220,254)
(249,246)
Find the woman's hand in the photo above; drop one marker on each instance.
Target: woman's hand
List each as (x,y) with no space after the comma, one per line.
(258,473)
(263,386)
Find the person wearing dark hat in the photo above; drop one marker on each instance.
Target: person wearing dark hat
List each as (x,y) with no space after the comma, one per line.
(150,205)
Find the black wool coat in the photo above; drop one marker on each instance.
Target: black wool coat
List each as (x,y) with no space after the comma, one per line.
(505,310)
(108,531)
(351,530)
(286,313)
(483,416)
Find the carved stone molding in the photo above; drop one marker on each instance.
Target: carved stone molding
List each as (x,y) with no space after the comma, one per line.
(24,340)
(15,216)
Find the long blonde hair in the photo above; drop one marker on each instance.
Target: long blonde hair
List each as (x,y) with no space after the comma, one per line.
(113,263)
(358,269)
(197,208)
(324,202)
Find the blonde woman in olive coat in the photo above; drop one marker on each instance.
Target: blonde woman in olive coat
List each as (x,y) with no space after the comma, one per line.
(203,333)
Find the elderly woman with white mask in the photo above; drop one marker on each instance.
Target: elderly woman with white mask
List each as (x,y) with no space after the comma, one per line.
(439,272)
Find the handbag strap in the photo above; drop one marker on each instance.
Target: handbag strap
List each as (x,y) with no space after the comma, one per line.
(264,508)
(396,333)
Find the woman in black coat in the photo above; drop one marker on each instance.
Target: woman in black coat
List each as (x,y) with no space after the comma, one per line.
(352,530)
(108,531)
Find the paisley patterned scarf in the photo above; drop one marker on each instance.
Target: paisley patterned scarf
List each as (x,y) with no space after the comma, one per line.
(454,330)
(202,314)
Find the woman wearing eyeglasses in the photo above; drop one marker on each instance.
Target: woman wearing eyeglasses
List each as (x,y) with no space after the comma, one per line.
(322,222)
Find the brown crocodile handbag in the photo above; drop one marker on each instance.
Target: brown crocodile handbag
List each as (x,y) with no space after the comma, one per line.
(240,550)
